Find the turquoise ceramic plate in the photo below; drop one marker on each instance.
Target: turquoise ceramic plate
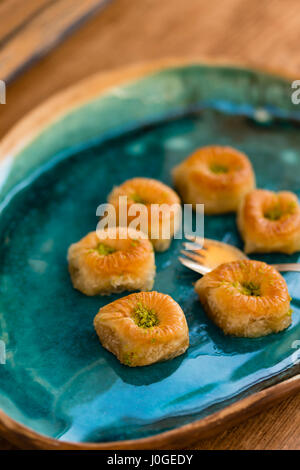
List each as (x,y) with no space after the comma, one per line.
(57,379)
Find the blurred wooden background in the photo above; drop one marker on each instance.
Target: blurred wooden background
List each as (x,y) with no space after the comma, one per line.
(260,32)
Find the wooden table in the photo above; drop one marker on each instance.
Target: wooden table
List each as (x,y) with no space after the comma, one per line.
(258,31)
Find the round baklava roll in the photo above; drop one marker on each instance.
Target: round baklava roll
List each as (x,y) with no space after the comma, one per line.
(270,222)
(143,328)
(246,298)
(218,177)
(153,200)
(113,260)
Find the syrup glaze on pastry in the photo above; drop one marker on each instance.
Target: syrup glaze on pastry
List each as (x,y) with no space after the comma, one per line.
(218,177)
(112,260)
(270,222)
(148,192)
(143,328)
(246,298)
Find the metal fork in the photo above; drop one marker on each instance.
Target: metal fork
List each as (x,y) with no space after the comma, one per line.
(204,255)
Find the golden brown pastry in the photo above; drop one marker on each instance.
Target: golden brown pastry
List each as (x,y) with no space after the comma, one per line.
(162,220)
(218,177)
(246,298)
(270,221)
(143,328)
(102,264)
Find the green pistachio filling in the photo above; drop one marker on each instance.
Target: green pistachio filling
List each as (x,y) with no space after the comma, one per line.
(274,213)
(134,242)
(128,358)
(290,311)
(218,168)
(104,250)
(137,199)
(251,289)
(292,207)
(144,317)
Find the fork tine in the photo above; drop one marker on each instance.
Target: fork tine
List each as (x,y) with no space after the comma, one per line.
(192,246)
(287,267)
(192,238)
(193,266)
(207,242)
(195,257)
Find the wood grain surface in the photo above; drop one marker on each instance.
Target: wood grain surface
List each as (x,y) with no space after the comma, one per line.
(260,32)
(30,29)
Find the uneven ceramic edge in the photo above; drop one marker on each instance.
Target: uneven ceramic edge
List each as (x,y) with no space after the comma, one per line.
(19,137)
(85,90)
(188,434)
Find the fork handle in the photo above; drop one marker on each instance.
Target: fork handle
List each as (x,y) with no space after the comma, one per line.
(287,267)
